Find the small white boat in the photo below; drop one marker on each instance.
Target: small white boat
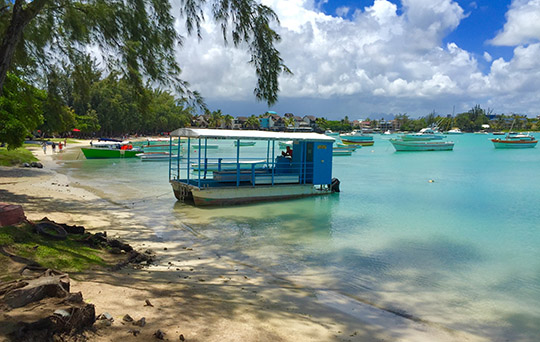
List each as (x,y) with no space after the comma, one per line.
(341,153)
(245,143)
(154,156)
(411,145)
(425,134)
(454,131)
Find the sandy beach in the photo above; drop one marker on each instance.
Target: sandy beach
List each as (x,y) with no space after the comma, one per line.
(193,291)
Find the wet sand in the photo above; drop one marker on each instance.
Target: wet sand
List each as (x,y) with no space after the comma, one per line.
(194,291)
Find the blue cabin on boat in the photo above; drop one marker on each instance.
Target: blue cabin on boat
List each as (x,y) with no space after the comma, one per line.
(213,177)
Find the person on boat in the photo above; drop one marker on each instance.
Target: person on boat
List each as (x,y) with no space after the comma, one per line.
(287,153)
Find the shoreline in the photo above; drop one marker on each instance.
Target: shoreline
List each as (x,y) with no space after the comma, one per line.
(194,292)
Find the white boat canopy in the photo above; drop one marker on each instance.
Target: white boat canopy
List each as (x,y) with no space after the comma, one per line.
(202,133)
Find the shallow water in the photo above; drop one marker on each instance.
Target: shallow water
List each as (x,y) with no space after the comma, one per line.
(461,250)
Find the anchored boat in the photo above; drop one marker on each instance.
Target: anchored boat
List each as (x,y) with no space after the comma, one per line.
(110,149)
(515,141)
(357,138)
(305,170)
(420,145)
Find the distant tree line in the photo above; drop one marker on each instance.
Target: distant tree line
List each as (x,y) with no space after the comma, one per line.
(80,98)
(473,120)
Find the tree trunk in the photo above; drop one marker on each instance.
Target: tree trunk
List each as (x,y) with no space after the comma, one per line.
(19,19)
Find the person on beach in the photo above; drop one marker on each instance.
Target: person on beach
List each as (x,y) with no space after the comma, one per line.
(54,146)
(60,146)
(44,145)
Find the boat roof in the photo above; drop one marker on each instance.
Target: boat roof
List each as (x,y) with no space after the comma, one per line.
(248,134)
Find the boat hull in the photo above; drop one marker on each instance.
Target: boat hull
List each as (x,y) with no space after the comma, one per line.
(510,144)
(242,195)
(412,146)
(357,142)
(101,153)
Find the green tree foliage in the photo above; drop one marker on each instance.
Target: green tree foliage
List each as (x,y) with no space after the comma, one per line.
(216,118)
(252,122)
(137,40)
(57,116)
(228,120)
(136,37)
(334,125)
(20,111)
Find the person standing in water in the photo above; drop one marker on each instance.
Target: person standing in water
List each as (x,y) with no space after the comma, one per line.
(44,145)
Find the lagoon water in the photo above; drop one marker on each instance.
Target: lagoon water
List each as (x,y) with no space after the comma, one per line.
(452,238)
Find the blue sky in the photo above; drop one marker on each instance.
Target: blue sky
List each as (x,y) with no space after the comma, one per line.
(371,57)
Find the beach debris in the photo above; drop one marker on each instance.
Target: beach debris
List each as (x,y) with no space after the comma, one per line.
(141,322)
(118,244)
(70,229)
(182,338)
(51,230)
(135,332)
(160,335)
(11,214)
(127,318)
(50,283)
(105,316)
(74,298)
(36,164)
(71,322)
(147,303)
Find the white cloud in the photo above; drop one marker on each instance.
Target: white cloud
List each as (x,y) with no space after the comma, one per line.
(380,61)
(342,11)
(522,24)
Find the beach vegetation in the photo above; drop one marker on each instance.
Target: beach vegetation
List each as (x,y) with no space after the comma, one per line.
(69,255)
(21,111)
(12,157)
(46,43)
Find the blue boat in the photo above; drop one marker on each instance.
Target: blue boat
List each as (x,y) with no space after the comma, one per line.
(305,170)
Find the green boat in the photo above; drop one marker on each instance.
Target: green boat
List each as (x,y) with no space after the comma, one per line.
(106,149)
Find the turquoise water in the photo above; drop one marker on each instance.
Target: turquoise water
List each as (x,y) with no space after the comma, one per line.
(449,237)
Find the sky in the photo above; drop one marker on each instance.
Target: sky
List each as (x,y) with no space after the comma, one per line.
(373,58)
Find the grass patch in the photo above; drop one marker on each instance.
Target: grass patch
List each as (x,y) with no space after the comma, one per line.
(16,156)
(70,255)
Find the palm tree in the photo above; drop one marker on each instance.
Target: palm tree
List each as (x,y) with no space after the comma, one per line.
(228,121)
(252,122)
(216,117)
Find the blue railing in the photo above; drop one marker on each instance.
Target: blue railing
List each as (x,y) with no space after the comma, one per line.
(240,172)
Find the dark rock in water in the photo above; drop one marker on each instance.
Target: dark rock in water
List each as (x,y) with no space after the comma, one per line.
(135,332)
(147,303)
(127,318)
(160,335)
(182,337)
